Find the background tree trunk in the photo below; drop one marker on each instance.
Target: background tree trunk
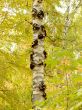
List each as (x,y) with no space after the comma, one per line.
(38,54)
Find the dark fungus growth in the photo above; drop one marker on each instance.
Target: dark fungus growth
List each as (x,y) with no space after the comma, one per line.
(35,43)
(40,14)
(36,27)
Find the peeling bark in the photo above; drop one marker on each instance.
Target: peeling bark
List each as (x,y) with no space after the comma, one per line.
(38,54)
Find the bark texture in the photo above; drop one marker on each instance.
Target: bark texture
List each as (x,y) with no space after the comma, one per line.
(38,54)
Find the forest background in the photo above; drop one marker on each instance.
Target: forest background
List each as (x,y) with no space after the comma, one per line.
(63,44)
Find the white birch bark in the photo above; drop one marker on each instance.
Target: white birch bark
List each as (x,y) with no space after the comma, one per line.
(38,54)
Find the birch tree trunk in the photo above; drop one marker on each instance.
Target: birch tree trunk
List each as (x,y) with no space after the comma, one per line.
(38,54)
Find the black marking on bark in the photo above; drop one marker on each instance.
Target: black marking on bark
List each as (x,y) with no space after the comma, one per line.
(42,28)
(41,36)
(40,64)
(42,86)
(31,56)
(40,1)
(35,43)
(44,32)
(45,54)
(32,65)
(44,95)
(44,65)
(34,12)
(36,27)
(40,14)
